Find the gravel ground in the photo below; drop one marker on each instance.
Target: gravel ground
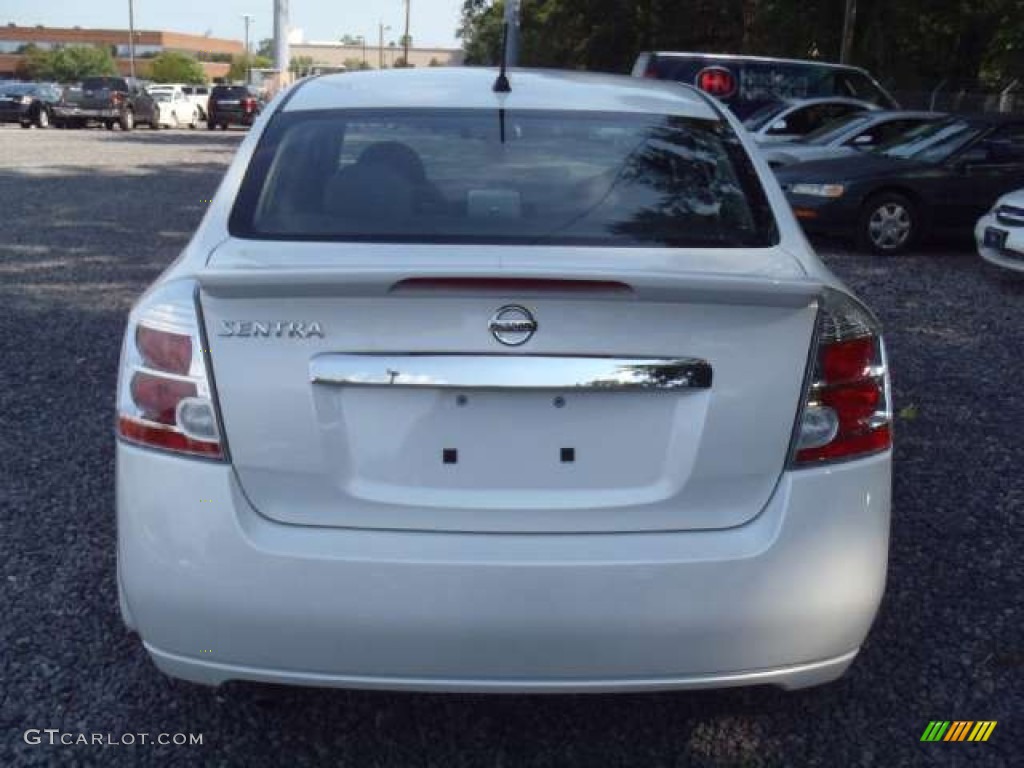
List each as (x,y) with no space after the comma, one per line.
(89,218)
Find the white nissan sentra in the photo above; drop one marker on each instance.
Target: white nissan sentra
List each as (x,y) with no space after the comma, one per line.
(471,390)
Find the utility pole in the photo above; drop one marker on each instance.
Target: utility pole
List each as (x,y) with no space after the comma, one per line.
(849,24)
(247,17)
(131,38)
(512,19)
(405,40)
(380,45)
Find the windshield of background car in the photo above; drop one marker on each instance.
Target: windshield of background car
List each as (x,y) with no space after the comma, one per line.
(478,176)
(764,115)
(231,92)
(931,142)
(834,129)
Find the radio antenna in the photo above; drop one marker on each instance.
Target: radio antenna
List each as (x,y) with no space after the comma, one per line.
(502,85)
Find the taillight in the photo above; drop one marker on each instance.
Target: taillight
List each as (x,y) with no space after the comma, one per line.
(249,105)
(718,81)
(847,413)
(164,398)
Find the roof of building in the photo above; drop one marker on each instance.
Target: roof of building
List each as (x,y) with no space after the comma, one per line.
(471,87)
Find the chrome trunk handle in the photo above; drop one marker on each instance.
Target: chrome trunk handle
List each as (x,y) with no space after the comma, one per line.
(511,372)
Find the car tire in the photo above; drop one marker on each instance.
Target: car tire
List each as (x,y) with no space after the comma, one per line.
(127,120)
(889,224)
(109,125)
(193,123)
(211,126)
(26,124)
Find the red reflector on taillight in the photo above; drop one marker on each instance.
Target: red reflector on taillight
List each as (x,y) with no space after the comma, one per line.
(854,404)
(847,360)
(718,81)
(166,438)
(164,351)
(158,397)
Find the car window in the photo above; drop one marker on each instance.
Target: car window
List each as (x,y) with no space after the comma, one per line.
(932,142)
(835,128)
(533,177)
(802,121)
(886,131)
(1004,146)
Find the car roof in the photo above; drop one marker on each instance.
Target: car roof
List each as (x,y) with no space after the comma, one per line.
(472,88)
(740,58)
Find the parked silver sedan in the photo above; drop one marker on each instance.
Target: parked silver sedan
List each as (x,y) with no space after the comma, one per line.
(466,387)
(791,119)
(847,135)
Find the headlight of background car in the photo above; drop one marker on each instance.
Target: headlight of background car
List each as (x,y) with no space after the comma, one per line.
(818,190)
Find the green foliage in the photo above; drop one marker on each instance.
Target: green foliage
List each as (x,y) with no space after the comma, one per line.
(907,44)
(242,63)
(175,67)
(66,65)
(266,48)
(301,65)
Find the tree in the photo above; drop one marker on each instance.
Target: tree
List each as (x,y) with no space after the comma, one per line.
(175,67)
(241,64)
(301,65)
(354,64)
(266,48)
(66,65)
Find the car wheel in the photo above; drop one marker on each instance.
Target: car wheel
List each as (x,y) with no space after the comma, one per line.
(210,126)
(193,123)
(43,118)
(109,125)
(889,224)
(127,120)
(26,124)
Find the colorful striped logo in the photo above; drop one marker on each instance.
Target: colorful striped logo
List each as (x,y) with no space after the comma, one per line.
(958,730)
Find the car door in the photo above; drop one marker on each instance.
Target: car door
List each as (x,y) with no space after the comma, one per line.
(983,172)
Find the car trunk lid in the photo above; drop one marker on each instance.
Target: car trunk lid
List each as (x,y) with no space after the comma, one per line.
(363,386)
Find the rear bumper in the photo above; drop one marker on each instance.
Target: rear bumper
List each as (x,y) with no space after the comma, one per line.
(19,114)
(218,592)
(1012,256)
(233,118)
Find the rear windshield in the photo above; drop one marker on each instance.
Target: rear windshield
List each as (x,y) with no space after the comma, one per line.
(476,176)
(101,83)
(234,92)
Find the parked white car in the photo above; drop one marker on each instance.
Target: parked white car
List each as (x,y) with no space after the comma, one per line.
(791,119)
(176,109)
(1000,233)
(198,95)
(474,385)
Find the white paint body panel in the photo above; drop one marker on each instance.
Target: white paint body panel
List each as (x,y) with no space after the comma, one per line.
(786,598)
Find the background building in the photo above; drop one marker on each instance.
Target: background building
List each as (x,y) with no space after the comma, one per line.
(339,54)
(214,53)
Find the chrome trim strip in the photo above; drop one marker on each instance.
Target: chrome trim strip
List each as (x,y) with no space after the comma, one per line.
(511,372)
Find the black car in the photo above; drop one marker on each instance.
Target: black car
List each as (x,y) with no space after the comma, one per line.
(939,177)
(232,105)
(28,103)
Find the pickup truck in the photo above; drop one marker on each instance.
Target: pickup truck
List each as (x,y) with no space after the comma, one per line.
(108,100)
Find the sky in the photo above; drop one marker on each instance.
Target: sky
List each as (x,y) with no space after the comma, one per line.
(432,23)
